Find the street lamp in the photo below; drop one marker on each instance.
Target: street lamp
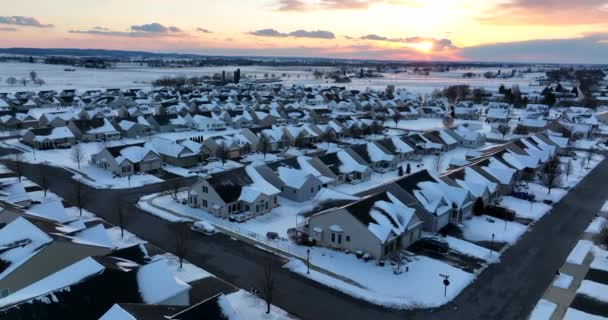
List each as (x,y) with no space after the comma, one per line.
(307,261)
(446,283)
(492,244)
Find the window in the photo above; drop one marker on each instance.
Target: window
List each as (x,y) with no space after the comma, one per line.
(339,238)
(205,203)
(318,188)
(333,237)
(347,238)
(312,189)
(275,199)
(386,249)
(282,189)
(294,191)
(205,189)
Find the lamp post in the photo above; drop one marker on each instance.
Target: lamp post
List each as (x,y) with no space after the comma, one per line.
(446,283)
(307,261)
(129,178)
(492,245)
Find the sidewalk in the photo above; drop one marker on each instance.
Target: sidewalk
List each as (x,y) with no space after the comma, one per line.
(563,297)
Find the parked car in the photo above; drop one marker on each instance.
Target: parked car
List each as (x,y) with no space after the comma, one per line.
(435,244)
(203,227)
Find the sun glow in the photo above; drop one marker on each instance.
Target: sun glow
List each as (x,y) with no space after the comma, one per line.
(425,46)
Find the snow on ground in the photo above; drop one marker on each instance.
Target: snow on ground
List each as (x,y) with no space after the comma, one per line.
(126,239)
(132,75)
(600,259)
(249,307)
(87,173)
(596,225)
(573,314)
(543,310)
(144,205)
(378,281)
(420,287)
(472,249)
(524,208)
(563,281)
(580,251)
(187,273)
(605,207)
(594,290)
(480,229)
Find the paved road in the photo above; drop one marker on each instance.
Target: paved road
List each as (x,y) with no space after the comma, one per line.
(508,290)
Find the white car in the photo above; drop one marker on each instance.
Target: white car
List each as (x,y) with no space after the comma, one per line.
(203,227)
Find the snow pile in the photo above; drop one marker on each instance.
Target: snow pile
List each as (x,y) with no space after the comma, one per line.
(580,251)
(563,281)
(543,311)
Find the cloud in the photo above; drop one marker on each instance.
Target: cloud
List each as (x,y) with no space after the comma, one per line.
(437,44)
(589,48)
(268,33)
(315,34)
(24,21)
(6,29)
(300,5)
(203,30)
(373,37)
(292,5)
(155,28)
(548,12)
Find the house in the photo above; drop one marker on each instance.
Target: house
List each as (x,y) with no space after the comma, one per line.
(88,288)
(467,138)
(166,123)
(35,248)
(201,122)
(215,307)
(343,167)
(49,138)
(398,147)
(96,129)
(498,115)
(126,160)
(238,194)
(379,225)
(297,179)
(174,153)
(379,159)
(466,111)
(133,127)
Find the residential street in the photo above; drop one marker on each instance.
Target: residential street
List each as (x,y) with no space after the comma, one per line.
(507,290)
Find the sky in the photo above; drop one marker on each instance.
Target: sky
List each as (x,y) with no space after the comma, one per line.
(556,31)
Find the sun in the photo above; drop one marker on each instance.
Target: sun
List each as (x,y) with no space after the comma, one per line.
(425,46)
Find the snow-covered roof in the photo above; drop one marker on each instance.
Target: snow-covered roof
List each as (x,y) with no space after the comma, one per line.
(156,283)
(19,241)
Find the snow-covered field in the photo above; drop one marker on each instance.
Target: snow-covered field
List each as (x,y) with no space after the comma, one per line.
(131,75)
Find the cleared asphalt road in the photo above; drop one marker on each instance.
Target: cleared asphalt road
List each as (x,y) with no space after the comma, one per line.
(508,290)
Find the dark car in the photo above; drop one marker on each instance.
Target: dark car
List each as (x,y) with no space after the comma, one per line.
(434,244)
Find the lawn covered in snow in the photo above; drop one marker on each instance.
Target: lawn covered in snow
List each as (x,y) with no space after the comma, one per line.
(543,310)
(88,173)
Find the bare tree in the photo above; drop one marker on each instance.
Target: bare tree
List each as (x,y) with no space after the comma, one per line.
(448,121)
(263,144)
(173,190)
(43,180)
(121,210)
(589,158)
(23,81)
(181,236)
(33,76)
(503,129)
(78,154)
(222,152)
(437,161)
(19,165)
(569,169)
(602,236)
(328,136)
(396,116)
(80,197)
(550,177)
(11,81)
(267,286)
(39,81)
